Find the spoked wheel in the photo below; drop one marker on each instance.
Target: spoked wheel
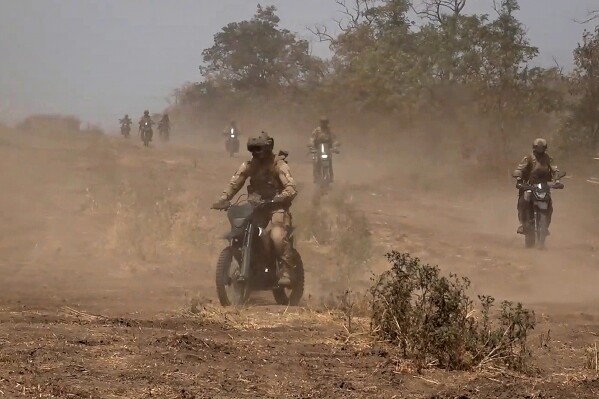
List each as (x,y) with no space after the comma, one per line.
(326,177)
(229,289)
(291,295)
(530,238)
(542,230)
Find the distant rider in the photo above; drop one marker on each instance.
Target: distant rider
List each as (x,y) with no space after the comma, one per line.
(146,118)
(322,134)
(126,121)
(164,125)
(232,127)
(538,167)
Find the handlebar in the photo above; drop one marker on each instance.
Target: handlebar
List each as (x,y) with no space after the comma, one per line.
(552,185)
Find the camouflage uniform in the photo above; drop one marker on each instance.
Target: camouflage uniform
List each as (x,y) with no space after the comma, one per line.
(126,121)
(321,135)
(534,169)
(144,119)
(269,179)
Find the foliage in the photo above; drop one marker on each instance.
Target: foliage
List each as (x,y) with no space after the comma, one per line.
(258,54)
(430,318)
(582,123)
(475,72)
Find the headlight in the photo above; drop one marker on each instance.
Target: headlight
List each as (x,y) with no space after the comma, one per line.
(324,156)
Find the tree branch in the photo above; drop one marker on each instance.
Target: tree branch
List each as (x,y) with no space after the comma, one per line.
(321,32)
(435,10)
(591,16)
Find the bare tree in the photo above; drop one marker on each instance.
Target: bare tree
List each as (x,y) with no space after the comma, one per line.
(591,16)
(354,13)
(436,10)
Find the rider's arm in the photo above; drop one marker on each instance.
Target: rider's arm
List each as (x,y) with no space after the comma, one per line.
(236,183)
(554,170)
(289,189)
(313,136)
(522,168)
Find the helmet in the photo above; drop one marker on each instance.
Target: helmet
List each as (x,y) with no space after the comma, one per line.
(324,120)
(126,116)
(146,112)
(539,145)
(260,145)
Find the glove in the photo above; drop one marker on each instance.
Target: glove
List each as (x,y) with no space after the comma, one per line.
(558,185)
(277,199)
(221,205)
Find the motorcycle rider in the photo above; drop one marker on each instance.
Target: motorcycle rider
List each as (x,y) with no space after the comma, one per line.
(125,125)
(126,121)
(232,126)
(144,118)
(322,134)
(270,179)
(538,167)
(165,124)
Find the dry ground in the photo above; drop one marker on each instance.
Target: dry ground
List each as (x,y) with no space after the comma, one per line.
(107,253)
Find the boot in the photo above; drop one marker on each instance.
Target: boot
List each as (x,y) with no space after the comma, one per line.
(520,229)
(285,272)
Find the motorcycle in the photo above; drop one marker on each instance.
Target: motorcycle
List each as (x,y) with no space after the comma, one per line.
(323,156)
(538,197)
(246,265)
(232,143)
(125,130)
(146,132)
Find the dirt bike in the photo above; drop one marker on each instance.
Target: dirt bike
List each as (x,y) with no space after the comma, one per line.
(246,265)
(323,156)
(164,132)
(232,143)
(538,197)
(146,133)
(125,130)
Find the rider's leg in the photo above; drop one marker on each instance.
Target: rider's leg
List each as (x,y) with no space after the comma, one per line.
(279,233)
(549,214)
(522,212)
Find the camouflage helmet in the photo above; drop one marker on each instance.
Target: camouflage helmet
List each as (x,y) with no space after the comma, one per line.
(146,112)
(539,145)
(324,120)
(261,142)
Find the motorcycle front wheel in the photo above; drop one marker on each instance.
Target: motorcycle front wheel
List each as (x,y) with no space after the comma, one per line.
(229,289)
(542,227)
(291,296)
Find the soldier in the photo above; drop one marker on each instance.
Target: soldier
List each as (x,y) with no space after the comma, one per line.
(232,129)
(165,122)
(535,168)
(126,121)
(147,118)
(322,134)
(270,179)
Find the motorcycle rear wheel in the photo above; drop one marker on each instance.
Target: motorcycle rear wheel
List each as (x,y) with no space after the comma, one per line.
(292,296)
(228,289)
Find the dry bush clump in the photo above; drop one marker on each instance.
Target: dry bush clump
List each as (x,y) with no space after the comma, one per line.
(431,319)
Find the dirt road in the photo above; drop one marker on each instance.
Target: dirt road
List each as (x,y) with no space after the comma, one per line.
(107,256)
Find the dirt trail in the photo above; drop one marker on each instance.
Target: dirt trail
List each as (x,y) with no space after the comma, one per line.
(104,245)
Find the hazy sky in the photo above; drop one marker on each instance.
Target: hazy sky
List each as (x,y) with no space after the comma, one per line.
(99,59)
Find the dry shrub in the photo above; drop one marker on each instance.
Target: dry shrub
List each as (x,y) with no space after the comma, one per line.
(430,318)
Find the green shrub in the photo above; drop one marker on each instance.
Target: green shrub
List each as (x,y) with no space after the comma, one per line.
(431,319)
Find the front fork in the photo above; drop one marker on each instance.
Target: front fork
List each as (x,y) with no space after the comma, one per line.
(246,252)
